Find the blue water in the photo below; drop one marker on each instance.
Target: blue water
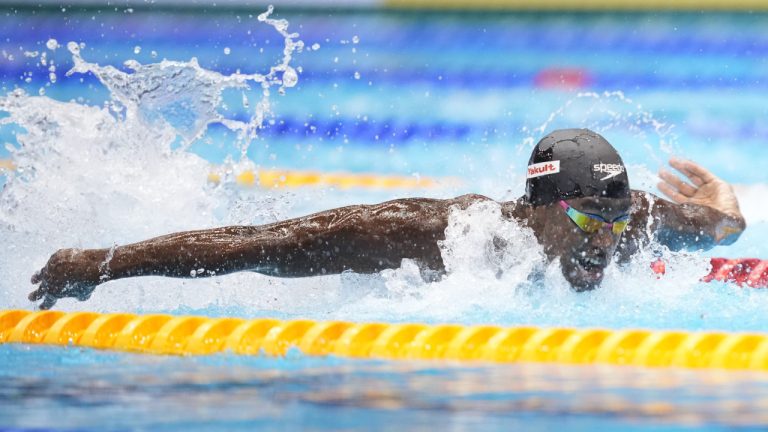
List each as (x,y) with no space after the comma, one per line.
(437,95)
(76,389)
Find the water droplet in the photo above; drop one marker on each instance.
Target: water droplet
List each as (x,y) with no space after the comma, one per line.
(73,47)
(357,75)
(315,46)
(52,44)
(153,54)
(290,77)
(132,64)
(136,49)
(227,51)
(355,39)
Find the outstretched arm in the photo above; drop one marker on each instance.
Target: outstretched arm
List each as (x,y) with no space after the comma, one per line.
(361,238)
(701,214)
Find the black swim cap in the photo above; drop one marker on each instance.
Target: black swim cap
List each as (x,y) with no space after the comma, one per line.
(574,163)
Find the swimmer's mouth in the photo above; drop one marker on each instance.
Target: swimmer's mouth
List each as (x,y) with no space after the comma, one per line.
(592,264)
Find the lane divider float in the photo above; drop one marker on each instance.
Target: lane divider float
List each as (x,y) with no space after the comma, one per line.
(6,164)
(291,178)
(750,272)
(195,335)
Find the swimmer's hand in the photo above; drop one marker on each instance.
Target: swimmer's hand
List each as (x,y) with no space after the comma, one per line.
(708,191)
(704,188)
(68,273)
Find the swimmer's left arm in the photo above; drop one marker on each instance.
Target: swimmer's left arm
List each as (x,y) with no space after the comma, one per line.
(701,213)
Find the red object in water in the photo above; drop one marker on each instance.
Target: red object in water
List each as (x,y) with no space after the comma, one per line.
(752,272)
(659,267)
(568,78)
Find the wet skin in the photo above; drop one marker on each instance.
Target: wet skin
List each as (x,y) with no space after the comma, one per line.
(582,256)
(371,238)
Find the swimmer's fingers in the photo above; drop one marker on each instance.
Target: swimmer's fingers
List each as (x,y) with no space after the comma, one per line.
(673,193)
(36,295)
(37,277)
(39,293)
(675,181)
(697,173)
(48,302)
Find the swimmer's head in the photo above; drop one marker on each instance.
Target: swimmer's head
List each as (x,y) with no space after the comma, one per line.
(578,169)
(574,163)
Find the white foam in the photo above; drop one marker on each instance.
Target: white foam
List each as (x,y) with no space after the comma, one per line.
(752,202)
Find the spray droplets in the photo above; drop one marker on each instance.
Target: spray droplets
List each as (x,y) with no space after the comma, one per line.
(52,44)
(290,77)
(73,48)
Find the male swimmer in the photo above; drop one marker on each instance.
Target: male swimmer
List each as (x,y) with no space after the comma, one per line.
(577,202)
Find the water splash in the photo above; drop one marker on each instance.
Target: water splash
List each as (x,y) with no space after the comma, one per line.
(635,132)
(90,176)
(187,96)
(603,112)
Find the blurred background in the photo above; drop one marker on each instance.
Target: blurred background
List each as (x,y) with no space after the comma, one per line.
(439,89)
(422,87)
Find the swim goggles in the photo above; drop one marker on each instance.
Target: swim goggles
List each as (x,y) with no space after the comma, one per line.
(590,223)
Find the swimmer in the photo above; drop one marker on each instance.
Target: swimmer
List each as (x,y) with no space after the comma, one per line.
(577,202)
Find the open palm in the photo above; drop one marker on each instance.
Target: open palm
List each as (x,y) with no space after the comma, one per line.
(704,188)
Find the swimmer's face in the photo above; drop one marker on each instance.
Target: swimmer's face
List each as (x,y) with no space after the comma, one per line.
(583,256)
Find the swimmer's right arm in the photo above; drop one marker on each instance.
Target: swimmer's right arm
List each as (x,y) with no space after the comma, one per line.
(360,238)
(702,212)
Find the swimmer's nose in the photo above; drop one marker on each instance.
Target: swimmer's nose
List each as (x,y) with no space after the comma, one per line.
(603,238)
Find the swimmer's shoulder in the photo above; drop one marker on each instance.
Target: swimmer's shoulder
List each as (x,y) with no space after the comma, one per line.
(467,200)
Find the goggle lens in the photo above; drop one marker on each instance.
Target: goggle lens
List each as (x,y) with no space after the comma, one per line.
(592,223)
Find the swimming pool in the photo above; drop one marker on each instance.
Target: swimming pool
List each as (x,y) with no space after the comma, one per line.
(457,95)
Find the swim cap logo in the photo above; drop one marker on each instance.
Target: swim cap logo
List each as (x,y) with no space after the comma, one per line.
(611,169)
(543,168)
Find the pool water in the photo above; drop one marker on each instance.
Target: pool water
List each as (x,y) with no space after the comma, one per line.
(460,95)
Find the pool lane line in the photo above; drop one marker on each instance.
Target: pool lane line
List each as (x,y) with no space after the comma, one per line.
(195,335)
(293,178)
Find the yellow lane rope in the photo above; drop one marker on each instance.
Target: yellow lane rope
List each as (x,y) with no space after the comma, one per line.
(6,164)
(192,335)
(693,5)
(290,178)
